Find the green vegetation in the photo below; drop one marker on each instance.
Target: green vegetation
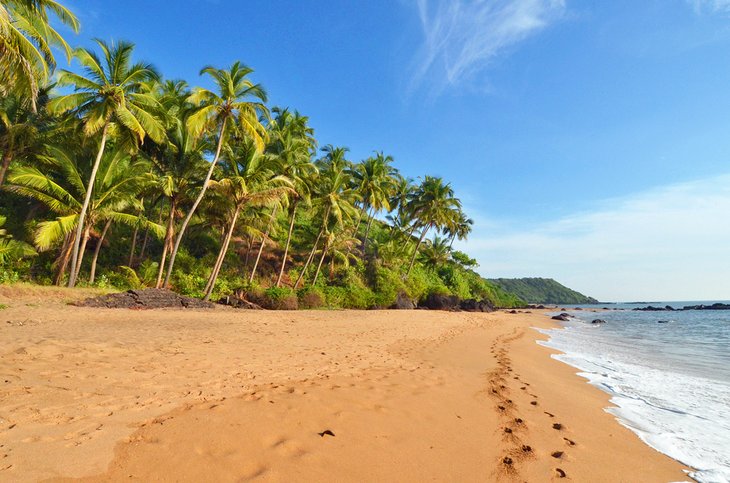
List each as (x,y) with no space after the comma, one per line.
(542,291)
(125,179)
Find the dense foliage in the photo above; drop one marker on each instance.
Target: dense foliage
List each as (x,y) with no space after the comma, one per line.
(126,179)
(542,291)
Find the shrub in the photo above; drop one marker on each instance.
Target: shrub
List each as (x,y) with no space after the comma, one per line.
(274,298)
(310,298)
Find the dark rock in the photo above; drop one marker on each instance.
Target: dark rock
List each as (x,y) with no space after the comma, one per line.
(577,308)
(513,311)
(717,306)
(403,302)
(662,322)
(562,317)
(441,302)
(150,298)
(598,321)
(651,308)
(472,305)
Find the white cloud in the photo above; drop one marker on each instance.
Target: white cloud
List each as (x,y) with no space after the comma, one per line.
(721,6)
(670,243)
(461,37)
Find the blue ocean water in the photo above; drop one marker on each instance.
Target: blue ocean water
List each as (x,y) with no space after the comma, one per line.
(669,381)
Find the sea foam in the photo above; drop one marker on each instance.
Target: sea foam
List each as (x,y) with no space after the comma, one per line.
(680,413)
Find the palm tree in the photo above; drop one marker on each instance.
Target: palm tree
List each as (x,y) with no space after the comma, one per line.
(238,103)
(20,129)
(249,179)
(434,205)
(375,180)
(334,197)
(459,227)
(437,252)
(293,145)
(179,161)
(26,42)
(109,96)
(61,188)
(12,249)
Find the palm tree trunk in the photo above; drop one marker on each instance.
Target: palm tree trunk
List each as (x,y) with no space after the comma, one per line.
(314,249)
(222,255)
(219,258)
(63,259)
(248,253)
(84,208)
(147,237)
(319,266)
(82,250)
(134,245)
(415,252)
(168,241)
(190,214)
(288,241)
(263,242)
(7,157)
(371,217)
(97,249)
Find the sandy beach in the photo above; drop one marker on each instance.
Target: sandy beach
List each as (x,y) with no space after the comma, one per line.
(231,395)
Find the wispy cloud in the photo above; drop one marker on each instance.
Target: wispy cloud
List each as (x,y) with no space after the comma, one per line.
(669,243)
(461,37)
(717,6)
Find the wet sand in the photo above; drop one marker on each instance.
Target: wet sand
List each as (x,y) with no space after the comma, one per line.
(227,395)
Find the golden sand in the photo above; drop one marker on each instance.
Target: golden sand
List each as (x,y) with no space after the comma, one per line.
(227,395)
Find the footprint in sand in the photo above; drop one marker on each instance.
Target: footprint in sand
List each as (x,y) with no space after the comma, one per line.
(569,442)
(557,454)
(559,473)
(550,414)
(558,426)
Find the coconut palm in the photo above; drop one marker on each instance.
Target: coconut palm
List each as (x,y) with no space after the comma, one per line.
(293,145)
(26,42)
(459,227)
(179,161)
(110,97)
(237,104)
(60,186)
(20,129)
(434,206)
(249,179)
(334,198)
(12,249)
(436,253)
(375,180)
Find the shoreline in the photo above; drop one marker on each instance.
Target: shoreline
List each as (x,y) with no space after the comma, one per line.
(102,394)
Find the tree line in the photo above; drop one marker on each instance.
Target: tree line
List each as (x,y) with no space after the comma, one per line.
(115,157)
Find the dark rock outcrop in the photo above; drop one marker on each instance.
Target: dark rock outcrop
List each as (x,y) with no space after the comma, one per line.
(717,306)
(473,305)
(651,308)
(598,321)
(441,302)
(563,317)
(403,302)
(150,298)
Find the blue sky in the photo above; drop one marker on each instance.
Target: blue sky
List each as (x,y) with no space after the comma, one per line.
(579,134)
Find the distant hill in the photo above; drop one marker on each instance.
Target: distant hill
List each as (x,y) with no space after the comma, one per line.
(542,291)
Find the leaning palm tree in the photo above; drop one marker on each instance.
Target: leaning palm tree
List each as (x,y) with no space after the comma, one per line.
(458,227)
(60,186)
(26,42)
(436,253)
(237,104)
(248,179)
(375,179)
(334,198)
(292,145)
(434,206)
(110,97)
